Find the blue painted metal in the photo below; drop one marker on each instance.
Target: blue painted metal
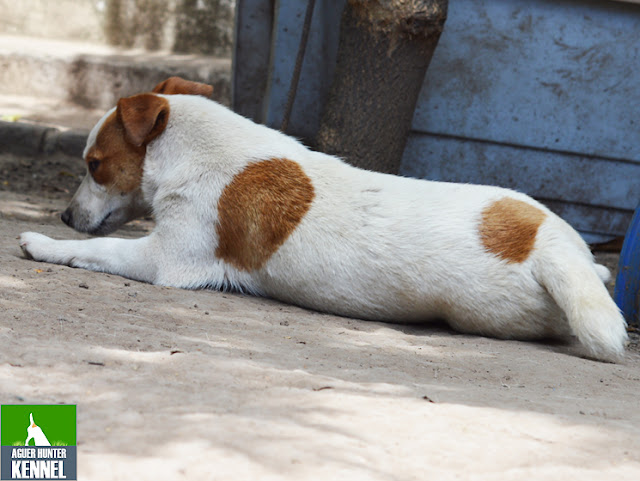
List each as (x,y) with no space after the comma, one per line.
(558,75)
(628,280)
(598,203)
(540,172)
(252,48)
(593,222)
(317,69)
(536,95)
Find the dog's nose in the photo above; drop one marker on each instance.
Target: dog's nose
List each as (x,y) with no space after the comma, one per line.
(67,217)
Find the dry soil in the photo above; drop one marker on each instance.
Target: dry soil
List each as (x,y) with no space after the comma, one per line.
(174,384)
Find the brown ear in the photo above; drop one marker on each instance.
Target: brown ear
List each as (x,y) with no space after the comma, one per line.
(143,116)
(177,85)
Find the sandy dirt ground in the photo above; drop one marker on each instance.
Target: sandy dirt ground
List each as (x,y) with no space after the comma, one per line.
(173,384)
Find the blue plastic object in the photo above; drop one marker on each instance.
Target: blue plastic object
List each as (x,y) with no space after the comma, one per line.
(628,280)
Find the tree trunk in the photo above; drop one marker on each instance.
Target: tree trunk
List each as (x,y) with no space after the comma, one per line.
(385,49)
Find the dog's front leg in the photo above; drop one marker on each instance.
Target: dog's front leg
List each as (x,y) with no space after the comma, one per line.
(130,258)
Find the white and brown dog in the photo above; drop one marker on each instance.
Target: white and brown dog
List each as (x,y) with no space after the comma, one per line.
(35,432)
(238,205)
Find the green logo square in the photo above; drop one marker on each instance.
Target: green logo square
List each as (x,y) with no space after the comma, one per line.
(38,442)
(56,422)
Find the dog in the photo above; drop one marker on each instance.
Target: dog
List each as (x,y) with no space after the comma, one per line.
(35,432)
(240,206)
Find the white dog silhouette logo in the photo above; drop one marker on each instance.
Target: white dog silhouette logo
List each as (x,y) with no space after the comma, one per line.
(34,432)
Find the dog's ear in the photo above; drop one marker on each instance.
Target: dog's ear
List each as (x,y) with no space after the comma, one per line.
(177,85)
(143,116)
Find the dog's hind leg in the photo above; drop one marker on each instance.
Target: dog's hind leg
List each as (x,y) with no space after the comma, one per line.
(576,285)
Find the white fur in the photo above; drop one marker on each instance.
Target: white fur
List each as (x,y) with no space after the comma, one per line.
(35,432)
(372,246)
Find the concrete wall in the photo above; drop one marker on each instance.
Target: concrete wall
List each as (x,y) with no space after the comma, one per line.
(186,26)
(60,19)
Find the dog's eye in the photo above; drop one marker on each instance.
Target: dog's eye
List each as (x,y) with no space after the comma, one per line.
(93,165)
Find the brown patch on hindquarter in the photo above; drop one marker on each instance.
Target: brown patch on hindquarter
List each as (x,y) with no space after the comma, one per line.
(509,227)
(121,143)
(259,210)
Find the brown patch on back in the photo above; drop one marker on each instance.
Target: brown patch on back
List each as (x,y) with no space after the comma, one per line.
(259,210)
(121,143)
(509,227)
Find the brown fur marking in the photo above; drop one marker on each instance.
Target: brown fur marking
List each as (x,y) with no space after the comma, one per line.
(259,210)
(509,227)
(144,117)
(180,86)
(120,161)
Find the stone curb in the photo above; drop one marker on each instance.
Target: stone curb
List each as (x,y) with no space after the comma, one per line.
(32,139)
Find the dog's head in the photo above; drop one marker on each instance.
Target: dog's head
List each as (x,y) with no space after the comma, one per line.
(110,194)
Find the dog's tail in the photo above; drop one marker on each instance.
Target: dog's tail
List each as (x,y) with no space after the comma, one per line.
(576,284)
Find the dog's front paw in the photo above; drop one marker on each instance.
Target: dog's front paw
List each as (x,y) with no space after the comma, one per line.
(36,246)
